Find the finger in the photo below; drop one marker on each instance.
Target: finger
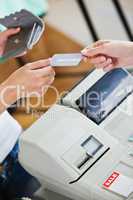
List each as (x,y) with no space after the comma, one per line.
(10,32)
(97,60)
(100,43)
(109,67)
(46,71)
(44,84)
(96,44)
(85,59)
(38,64)
(51,80)
(48,80)
(104,64)
(93,52)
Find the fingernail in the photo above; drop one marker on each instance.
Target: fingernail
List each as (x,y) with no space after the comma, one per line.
(103,58)
(18,29)
(84,51)
(85,59)
(110,60)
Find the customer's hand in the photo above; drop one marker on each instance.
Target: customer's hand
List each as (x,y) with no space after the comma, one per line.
(4,37)
(109,54)
(33,77)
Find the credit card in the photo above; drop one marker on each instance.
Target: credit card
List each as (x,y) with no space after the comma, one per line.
(66,60)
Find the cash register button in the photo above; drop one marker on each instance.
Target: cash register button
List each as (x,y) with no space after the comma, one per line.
(119,184)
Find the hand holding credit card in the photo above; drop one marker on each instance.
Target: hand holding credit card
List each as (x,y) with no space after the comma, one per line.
(66,60)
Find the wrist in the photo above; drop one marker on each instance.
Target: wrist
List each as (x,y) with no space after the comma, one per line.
(8,95)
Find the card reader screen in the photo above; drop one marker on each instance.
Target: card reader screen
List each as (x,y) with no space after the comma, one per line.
(106,94)
(92,146)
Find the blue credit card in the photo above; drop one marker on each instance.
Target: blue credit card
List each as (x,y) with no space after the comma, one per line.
(66,60)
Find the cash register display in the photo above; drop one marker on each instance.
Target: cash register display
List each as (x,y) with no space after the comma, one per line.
(92,146)
(106,94)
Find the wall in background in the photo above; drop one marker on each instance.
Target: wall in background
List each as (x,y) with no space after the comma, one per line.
(65,15)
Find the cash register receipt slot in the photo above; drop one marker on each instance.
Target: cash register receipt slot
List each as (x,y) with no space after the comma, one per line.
(106,94)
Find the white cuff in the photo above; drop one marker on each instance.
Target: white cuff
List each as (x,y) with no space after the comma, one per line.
(10,131)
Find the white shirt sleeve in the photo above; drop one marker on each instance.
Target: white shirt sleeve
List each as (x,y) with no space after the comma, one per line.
(10,131)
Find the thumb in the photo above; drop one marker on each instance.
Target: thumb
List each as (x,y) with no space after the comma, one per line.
(92,52)
(10,32)
(100,43)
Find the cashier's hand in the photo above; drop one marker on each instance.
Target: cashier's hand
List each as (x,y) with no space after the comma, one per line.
(32,78)
(110,54)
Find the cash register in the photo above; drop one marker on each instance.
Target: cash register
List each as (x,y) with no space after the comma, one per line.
(80,147)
